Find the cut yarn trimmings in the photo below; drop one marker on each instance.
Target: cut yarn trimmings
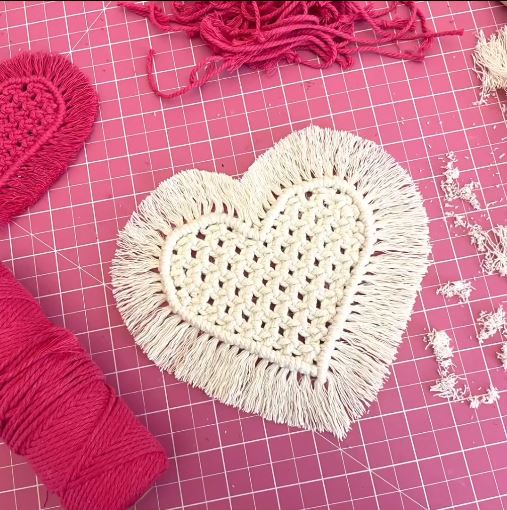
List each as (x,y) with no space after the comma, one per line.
(285,293)
(490,61)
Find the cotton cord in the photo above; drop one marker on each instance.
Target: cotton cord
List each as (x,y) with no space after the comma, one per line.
(58,412)
(264,34)
(47,111)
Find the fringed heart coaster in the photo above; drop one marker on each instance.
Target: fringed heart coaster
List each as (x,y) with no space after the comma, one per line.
(47,110)
(285,293)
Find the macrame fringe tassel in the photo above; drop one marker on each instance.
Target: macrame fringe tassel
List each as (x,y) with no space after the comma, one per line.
(376,318)
(490,59)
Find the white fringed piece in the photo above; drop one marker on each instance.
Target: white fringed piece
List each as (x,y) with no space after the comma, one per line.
(285,293)
(490,59)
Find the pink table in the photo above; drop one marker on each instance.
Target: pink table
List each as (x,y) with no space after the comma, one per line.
(412,450)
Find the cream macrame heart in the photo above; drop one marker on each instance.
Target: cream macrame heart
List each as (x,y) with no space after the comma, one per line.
(284,293)
(273,289)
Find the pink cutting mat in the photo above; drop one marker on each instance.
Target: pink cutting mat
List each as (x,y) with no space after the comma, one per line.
(412,450)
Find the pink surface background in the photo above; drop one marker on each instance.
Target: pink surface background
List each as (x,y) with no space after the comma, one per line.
(411,450)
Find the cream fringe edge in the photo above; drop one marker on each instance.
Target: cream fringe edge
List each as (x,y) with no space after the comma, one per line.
(379,310)
(490,60)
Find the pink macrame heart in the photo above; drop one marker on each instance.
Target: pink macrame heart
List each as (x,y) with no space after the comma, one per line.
(47,110)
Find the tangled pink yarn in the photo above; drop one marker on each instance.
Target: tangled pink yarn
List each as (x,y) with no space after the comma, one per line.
(262,34)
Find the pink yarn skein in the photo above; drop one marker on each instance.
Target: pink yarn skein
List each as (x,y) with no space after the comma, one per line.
(263,34)
(58,412)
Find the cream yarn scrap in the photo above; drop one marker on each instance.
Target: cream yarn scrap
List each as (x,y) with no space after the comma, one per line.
(285,293)
(490,60)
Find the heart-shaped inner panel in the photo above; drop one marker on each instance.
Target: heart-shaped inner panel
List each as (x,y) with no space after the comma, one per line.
(275,288)
(30,110)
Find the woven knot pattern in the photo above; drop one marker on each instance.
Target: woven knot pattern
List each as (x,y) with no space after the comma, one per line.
(28,108)
(280,285)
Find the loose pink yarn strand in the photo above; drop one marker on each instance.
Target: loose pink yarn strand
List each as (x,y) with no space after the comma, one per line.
(262,34)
